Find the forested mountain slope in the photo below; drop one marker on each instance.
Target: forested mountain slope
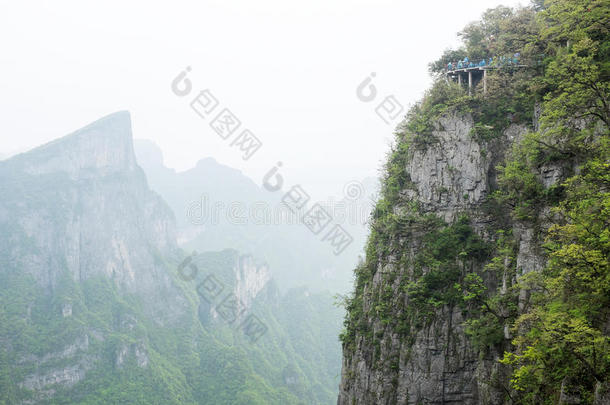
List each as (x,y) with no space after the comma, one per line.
(99,306)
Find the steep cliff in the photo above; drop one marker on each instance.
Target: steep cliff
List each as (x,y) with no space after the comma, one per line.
(486,273)
(85,208)
(407,351)
(83,241)
(95,306)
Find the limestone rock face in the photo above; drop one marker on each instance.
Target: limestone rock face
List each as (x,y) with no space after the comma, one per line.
(241,282)
(75,210)
(436,364)
(84,205)
(99,149)
(250,279)
(450,175)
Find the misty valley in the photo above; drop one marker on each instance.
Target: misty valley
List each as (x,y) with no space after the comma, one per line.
(442,241)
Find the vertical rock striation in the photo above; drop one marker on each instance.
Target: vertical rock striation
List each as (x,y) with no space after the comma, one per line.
(391,356)
(76,211)
(85,207)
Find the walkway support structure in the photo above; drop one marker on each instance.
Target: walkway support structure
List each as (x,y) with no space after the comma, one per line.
(475,75)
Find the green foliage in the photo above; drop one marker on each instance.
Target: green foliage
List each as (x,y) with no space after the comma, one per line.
(520,187)
(449,56)
(445,260)
(501,31)
(562,341)
(511,92)
(188,362)
(420,122)
(491,311)
(558,316)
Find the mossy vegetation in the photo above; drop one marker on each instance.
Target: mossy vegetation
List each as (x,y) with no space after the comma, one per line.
(446,258)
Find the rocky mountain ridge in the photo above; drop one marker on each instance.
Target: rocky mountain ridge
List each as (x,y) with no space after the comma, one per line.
(93,308)
(85,206)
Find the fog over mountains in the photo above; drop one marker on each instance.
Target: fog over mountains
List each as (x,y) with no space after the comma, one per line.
(99,304)
(218,207)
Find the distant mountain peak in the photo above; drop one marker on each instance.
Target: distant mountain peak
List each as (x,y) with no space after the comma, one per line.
(209,162)
(105,146)
(148,153)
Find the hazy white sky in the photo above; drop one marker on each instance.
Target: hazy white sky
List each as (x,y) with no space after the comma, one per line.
(288,70)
